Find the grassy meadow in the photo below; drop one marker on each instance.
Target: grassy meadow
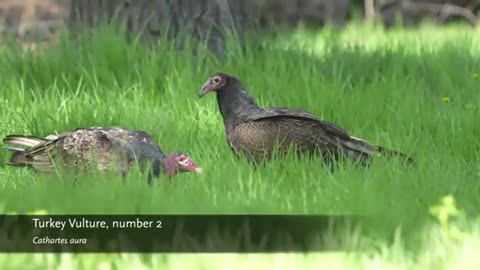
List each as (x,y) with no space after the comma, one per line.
(417,91)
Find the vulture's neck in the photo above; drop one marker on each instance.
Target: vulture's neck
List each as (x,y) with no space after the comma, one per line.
(165,165)
(234,102)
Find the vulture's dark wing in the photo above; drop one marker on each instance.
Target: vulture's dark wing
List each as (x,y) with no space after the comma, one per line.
(259,131)
(328,132)
(139,146)
(137,143)
(279,112)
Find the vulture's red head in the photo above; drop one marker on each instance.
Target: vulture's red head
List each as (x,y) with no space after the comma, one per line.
(178,162)
(217,82)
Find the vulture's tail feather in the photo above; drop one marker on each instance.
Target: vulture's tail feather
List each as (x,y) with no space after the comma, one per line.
(380,150)
(28,141)
(393,153)
(19,157)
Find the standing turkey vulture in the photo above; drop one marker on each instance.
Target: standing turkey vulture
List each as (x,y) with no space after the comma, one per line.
(103,147)
(258,132)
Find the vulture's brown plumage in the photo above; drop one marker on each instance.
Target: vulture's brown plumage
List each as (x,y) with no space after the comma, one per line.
(104,148)
(258,132)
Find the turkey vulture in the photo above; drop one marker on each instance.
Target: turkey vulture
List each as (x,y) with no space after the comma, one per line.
(258,132)
(102,147)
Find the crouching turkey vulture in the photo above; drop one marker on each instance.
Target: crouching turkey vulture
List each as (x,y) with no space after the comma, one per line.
(258,132)
(103,147)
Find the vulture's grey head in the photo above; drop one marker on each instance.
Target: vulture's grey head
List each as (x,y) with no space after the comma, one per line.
(217,82)
(178,162)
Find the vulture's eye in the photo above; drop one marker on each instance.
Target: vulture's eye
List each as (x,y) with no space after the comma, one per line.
(183,161)
(216,80)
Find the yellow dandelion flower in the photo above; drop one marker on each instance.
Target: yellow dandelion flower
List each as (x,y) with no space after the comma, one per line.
(446,99)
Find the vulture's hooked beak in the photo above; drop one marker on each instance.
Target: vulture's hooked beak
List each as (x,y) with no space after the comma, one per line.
(194,168)
(207,87)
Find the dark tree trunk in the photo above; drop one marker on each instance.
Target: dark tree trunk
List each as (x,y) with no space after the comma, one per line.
(207,20)
(314,12)
(412,11)
(204,19)
(369,7)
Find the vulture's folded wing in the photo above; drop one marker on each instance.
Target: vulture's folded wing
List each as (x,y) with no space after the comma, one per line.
(279,112)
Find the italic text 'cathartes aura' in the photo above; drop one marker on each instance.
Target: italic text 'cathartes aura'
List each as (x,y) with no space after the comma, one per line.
(102,147)
(258,132)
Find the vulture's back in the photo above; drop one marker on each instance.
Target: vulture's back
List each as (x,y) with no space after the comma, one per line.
(98,146)
(262,133)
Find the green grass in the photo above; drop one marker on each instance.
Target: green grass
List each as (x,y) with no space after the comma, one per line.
(386,87)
